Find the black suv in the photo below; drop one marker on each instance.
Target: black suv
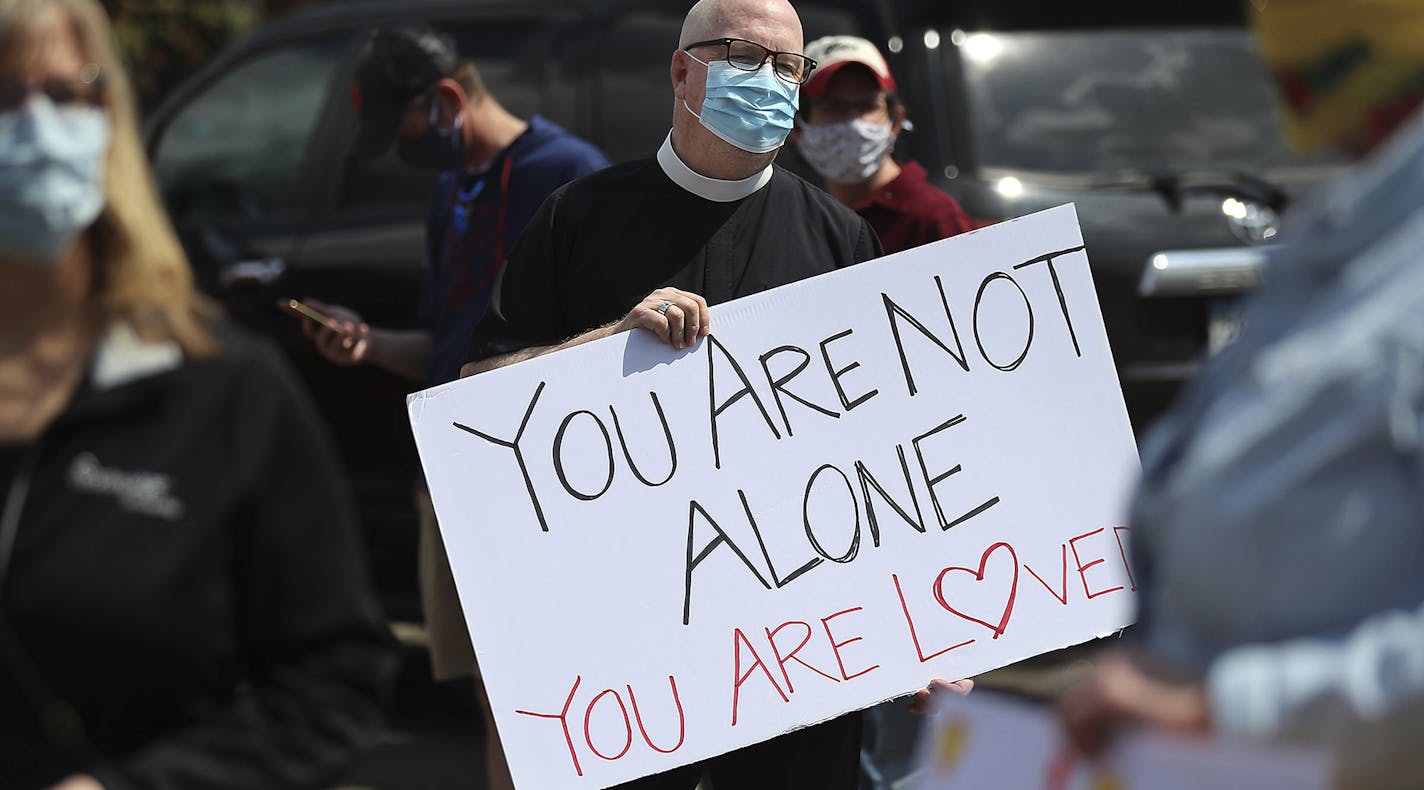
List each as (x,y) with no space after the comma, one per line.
(1164,137)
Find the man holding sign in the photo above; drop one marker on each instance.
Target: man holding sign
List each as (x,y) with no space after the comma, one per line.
(709,219)
(651,243)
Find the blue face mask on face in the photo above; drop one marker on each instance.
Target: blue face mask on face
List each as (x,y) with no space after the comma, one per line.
(752,110)
(51,177)
(436,148)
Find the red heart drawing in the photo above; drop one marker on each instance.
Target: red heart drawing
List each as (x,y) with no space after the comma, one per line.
(979,577)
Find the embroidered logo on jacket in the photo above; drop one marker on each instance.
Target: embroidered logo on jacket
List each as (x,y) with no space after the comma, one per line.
(149,493)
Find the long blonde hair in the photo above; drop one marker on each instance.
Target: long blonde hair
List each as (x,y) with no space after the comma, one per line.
(142,276)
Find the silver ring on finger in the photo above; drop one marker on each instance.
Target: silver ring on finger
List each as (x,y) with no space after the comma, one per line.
(663,308)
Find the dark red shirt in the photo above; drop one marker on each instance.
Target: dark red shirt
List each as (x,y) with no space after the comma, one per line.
(910,211)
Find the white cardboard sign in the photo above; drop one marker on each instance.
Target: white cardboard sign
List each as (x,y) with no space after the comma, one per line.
(910,468)
(984,741)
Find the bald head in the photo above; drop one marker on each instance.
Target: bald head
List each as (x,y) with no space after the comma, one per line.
(771,23)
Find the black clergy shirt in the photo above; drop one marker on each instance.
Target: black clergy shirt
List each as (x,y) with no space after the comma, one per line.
(602,243)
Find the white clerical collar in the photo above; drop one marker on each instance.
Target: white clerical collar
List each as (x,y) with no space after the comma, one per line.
(714,189)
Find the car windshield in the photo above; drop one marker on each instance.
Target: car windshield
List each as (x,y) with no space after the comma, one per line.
(1136,101)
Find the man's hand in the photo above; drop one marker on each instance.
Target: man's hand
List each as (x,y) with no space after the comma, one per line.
(1121,690)
(923,701)
(678,318)
(345,345)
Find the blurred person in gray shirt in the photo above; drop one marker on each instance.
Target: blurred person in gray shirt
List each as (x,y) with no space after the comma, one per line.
(1278,534)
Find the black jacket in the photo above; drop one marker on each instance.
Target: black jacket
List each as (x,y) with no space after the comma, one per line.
(601,243)
(187,576)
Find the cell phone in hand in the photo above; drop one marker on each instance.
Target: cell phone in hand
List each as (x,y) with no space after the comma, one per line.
(300,309)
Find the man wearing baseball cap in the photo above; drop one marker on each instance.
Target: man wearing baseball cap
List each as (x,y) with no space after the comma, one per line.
(849,120)
(411,89)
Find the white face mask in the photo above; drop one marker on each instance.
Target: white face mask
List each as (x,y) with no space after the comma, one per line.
(847,152)
(51,177)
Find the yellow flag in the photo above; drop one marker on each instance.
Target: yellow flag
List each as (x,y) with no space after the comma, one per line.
(1348,70)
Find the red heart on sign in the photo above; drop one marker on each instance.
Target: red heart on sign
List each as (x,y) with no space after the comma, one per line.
(979,577)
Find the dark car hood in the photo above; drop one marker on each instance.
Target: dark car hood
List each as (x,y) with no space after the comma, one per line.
(1123,227)
(1125,224)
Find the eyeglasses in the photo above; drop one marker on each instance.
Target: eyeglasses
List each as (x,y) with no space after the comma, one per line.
(87,89)
(791,67)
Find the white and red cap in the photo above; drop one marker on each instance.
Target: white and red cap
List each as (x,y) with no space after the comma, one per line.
(832,53)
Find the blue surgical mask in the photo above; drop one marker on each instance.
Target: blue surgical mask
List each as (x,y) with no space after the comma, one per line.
(752,110)
(51,177)
(436,148)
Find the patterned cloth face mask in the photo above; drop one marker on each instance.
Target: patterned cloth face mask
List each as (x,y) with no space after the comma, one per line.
(847,152)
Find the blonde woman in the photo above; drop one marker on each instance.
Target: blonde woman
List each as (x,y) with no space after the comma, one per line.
(183,597)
